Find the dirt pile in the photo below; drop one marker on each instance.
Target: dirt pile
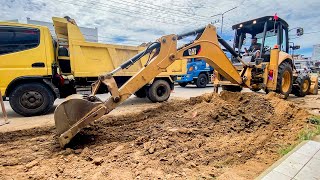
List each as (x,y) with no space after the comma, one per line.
(231,135)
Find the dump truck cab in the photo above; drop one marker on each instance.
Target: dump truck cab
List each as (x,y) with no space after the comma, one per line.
(18,41)
(27,54)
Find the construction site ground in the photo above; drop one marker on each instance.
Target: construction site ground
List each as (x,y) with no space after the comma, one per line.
(226,136)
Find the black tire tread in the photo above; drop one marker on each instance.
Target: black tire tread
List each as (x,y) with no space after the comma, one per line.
(198,82)
(14,99)
(298,88)
(152,95)
(281,69)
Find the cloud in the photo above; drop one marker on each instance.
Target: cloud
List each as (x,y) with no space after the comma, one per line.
(137,21)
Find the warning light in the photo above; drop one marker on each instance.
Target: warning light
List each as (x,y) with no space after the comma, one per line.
(275,17)
(276,46)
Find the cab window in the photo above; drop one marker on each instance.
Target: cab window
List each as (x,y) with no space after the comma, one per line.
(14,39)
(270,38)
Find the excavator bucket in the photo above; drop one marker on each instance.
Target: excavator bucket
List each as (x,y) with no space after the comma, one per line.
(74,114)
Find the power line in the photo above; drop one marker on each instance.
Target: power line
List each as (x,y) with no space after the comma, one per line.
(128,15)
(161,8)
(312,32)
(136,12)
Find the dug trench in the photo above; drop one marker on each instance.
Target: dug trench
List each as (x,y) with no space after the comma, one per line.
(226,136)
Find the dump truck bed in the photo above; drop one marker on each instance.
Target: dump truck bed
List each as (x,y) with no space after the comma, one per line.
(89,59)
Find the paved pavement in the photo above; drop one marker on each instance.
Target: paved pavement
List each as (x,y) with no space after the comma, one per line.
(303,162)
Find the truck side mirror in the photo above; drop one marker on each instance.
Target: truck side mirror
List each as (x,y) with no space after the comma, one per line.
(300,31)
(295,47)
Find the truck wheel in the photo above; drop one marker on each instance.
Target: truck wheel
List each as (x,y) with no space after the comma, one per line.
(183,84)
(31,99)
(232,88)
(302,88)
(159,91)
(202,81)
(141,93)
(284,80)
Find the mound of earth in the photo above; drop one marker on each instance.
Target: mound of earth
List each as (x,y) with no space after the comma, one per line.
(231,135)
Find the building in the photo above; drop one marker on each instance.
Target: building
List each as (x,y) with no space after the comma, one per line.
(90,34)
(316,52)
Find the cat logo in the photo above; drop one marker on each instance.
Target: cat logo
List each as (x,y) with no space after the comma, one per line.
(192,51)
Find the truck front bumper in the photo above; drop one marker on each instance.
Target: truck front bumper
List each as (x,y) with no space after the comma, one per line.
(184,78)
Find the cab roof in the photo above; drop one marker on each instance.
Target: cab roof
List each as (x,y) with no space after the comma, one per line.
(255,26)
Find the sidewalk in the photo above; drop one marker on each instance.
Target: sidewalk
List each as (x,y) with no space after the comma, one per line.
(303,162)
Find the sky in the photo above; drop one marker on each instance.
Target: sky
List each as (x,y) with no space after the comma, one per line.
(133,22)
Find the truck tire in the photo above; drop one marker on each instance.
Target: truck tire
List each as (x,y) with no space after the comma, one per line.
(141,93)
(302,88)
(232,88)
(159,91)
(31,99)
(184,84)
(284,80)
(202,81)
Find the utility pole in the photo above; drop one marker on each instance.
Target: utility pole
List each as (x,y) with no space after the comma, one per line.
(222,16)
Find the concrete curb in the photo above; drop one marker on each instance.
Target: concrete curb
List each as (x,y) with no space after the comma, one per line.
(277,163)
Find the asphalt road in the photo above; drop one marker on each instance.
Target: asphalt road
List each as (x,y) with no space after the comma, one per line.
(133,104)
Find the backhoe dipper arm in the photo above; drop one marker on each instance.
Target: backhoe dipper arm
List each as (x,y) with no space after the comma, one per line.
(205,46)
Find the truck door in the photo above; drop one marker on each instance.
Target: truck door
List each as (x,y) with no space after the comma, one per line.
(22,53)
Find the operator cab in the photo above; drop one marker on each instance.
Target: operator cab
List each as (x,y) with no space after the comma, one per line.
(269,31)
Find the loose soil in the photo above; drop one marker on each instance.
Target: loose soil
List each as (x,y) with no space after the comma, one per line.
(226,136)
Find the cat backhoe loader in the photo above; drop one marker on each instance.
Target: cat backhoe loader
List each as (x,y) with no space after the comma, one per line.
(275,75)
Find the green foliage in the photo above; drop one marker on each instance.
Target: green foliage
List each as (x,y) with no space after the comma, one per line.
(314,120)
(306,134)
(285,150)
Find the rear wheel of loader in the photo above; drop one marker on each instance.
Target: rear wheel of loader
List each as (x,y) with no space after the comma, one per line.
(302,88)
(141,93)
(159,91)
(232,88)
(284,80)
(31,99)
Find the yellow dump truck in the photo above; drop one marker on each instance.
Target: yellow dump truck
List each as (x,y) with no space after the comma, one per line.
(35,69)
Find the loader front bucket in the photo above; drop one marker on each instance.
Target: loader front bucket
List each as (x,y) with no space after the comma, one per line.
(74,114)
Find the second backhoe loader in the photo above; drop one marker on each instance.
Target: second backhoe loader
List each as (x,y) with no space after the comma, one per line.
(77,112)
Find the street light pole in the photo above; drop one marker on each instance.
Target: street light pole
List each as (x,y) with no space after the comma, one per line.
(222,16)
(221,23)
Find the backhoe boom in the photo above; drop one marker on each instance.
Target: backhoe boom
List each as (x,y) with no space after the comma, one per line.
(69,121)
